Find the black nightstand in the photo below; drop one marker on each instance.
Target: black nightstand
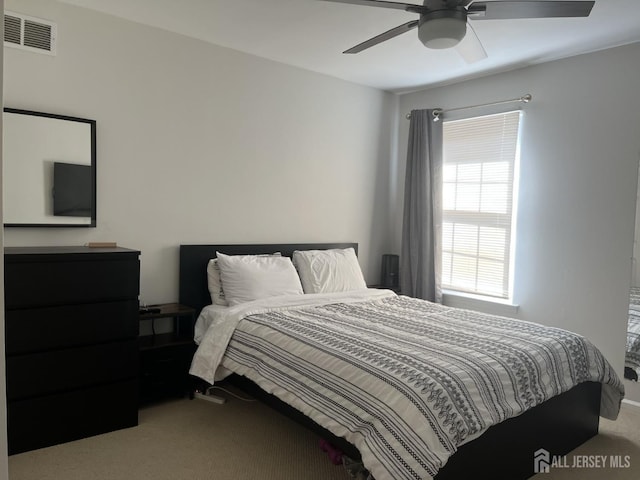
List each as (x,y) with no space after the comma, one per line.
(165,358)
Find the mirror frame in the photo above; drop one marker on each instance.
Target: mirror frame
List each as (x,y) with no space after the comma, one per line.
(92,124)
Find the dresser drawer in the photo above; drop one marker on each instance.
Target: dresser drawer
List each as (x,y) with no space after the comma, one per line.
(44,421)
(58,370)
(50,328)
(57,282)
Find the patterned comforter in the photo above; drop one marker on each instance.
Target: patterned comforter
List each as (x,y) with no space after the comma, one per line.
(632,354)
(404,380)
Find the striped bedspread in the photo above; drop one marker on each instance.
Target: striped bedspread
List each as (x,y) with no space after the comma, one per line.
(404,380)
(632,354)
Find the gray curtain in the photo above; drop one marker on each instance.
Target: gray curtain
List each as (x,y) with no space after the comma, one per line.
(420,268)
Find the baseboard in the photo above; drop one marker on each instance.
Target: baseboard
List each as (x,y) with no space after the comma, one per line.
(631,403)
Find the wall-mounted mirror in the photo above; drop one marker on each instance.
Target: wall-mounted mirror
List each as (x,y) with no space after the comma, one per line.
(49,170)
(632,352)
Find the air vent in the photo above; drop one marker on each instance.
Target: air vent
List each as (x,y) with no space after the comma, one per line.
(29,33)
(12,29)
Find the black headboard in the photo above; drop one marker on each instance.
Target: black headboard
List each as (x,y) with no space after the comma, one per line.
(194,258)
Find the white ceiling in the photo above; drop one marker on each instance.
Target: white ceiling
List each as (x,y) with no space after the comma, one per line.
(311,34)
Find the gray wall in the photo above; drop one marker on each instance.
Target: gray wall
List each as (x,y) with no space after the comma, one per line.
(203,144)
(579,169)
(198,143)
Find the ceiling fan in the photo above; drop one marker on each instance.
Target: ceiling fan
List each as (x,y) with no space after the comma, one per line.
(443,23)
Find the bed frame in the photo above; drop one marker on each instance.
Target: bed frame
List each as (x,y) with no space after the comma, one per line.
(505,450)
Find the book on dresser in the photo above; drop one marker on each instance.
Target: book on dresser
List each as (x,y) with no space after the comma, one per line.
(71,343)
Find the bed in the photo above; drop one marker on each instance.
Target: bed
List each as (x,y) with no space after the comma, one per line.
(506,449)
(632,352)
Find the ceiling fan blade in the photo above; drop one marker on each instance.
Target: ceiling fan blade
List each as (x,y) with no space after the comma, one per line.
(394,32)
(528,9)
(470,48)
(408,7)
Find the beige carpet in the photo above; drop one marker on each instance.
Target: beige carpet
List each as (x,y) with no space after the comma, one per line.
(198,440)
(191,440)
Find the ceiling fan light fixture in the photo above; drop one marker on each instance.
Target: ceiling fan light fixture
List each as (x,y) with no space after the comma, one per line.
(442,28)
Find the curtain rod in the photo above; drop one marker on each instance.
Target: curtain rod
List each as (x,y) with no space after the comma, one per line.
(439,111)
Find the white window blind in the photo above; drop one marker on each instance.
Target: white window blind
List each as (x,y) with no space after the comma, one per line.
(480,159)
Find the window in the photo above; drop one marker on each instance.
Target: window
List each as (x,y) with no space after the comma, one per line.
(480,165)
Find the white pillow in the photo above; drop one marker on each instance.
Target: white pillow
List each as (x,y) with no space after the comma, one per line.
(328,271)
(215,283)
(251,277)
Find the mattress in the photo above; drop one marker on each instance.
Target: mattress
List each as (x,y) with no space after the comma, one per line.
(404,380)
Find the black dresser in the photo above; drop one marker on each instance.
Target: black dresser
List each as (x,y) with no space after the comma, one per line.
(71,341)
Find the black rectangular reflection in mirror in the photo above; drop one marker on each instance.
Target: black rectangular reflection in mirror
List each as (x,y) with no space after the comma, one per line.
(71,190)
